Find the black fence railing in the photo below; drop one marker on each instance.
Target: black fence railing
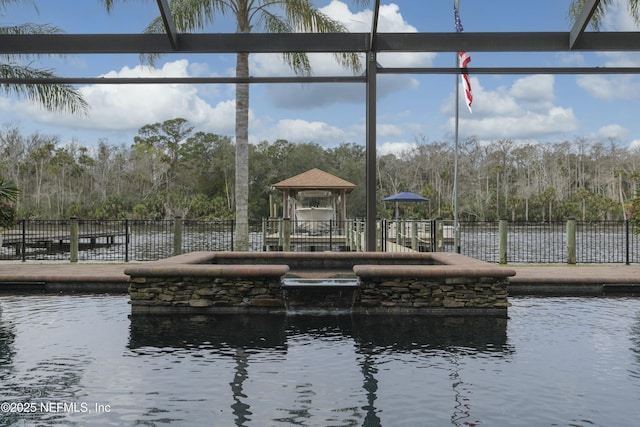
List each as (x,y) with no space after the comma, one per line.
(599,242)
(606,242)
(149,240)
(133,240)
(478,240)
(104,240)
(208,236)
(527,242)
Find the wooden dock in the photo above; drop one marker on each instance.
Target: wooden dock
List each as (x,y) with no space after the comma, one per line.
(394,247)
(58,240)
(392,236)
(309,242)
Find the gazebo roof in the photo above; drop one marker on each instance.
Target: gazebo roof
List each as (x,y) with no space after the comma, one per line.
(314,179)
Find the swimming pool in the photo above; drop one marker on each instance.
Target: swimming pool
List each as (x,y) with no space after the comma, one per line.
(82,360)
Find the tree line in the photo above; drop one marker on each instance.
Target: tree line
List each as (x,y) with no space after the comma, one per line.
(171,169)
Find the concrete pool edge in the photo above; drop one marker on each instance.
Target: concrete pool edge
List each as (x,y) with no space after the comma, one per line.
(530,280)
(399,283)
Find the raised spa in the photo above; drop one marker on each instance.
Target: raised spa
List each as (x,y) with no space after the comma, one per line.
(395,283)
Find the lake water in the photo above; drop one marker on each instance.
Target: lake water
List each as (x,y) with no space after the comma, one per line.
(81,360)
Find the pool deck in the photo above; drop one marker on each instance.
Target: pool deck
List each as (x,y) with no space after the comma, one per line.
(540,279)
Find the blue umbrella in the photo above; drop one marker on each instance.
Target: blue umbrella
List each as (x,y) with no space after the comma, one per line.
(405,196)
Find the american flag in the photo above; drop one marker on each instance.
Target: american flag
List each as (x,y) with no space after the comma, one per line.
(463,59)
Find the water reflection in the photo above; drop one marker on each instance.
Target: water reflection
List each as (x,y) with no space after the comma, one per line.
(253,332)
(238,337)
(370,385)
(635,340)
(373,334)
(578,358)
(239,407)
(56,377)
(7,336)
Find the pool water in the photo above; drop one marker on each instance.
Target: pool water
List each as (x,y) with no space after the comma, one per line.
(81,360)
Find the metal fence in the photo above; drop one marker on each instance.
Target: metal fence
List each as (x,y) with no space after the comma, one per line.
(597,242)
(607,242)
(527,242)
(104,240)
(133,240)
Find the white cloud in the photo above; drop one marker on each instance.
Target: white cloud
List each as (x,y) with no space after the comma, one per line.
(620,59)
(534,92)
(324,64)
(530,124)
(390,20)
(386,130)
(571,59)
(618,17)
(118,107)
(613,131)
(325,134)
(311,96)
(524,110)
(610,88)
(527,93)
(396,148)
(297,130)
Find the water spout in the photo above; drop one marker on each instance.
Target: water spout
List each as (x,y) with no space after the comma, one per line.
(334,295)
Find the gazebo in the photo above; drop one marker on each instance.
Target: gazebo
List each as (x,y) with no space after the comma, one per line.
(314,180)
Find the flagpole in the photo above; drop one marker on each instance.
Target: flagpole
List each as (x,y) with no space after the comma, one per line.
(456,225)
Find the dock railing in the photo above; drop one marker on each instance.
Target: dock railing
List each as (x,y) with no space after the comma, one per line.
(296,236)
(567,242)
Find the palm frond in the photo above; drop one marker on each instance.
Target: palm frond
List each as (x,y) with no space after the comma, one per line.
(8,191)
(30,28)
(598,16)
(108,4)
(58,97)
(5,3)
(189,15)
(350,61)
(26,29)
(634,8)
(301,16)
(296,16)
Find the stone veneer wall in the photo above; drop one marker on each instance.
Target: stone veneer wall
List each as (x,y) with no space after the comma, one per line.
(482,295)
(458,285)
(190,289)
(455,285)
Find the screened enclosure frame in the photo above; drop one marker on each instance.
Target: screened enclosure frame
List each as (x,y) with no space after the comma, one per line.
(369,44)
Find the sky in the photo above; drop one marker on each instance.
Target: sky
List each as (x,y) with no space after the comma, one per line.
(411,109)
